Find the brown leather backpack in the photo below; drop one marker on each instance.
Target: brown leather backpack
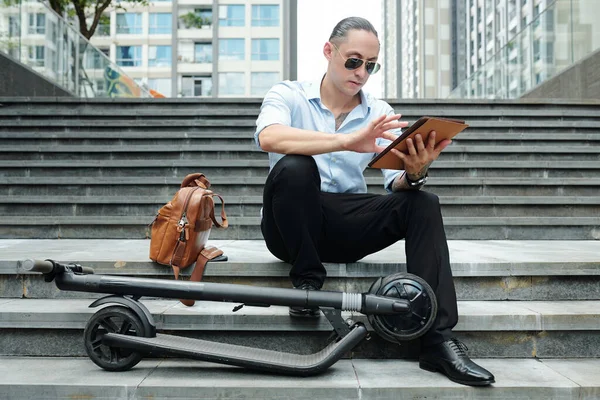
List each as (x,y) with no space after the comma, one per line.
(182,226)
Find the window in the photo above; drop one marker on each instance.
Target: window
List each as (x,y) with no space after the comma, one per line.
(536,50)
(36,56)
(159,56)
(265,15)
(231,49)
(162,86)
(231,83)
(13,26)
(261,82)
(203,53)
(129,23)
(196,86)
(103,28)
(37,23)
(265,49)
(232,15)
(205,14)
(129,56)
(160,23)
(96,59)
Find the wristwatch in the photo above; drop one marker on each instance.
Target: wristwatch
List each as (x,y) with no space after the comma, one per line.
(416,184)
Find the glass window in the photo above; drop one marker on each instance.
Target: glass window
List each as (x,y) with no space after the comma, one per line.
(103,28)
(129,23)
(205,14)
(37,56)
(13,26)
(231,15)
(37,23)
(196,86)
(129,56)
(231,83)
(203,53)
(265,49)
(265,15)
(261,82)
(162,86)
(160,23)
(159,56)
(231,49)
(94,60)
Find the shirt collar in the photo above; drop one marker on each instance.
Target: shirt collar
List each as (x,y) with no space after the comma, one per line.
(313,91)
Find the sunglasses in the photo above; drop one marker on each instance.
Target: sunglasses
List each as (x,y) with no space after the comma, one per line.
(353,63)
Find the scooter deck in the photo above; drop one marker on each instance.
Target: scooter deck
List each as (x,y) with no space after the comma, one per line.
(242,356)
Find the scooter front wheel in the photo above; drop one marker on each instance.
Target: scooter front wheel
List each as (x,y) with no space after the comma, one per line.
(423,307)
(113,319)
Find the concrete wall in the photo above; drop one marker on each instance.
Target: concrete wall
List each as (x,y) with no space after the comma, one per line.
(579,81)
(17,79)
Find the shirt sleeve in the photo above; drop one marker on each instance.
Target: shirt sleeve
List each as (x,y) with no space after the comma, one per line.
(275,109)
(389,175)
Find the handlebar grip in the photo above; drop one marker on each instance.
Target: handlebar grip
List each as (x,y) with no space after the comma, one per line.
(30,265)
(46,267)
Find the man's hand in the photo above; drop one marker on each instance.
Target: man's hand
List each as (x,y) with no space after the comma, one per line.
(419,156)
(365,140)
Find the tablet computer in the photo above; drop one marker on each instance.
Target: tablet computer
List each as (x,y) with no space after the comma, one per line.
(444,128)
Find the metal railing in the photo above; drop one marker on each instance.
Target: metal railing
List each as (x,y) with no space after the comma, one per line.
(33,34)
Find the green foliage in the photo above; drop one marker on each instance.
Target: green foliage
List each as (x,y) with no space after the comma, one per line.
(194,20)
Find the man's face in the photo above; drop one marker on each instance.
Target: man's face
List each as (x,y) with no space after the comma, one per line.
(358,44)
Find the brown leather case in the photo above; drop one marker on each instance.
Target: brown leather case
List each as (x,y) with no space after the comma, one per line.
(443,127)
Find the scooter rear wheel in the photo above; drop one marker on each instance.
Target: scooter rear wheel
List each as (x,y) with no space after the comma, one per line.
(113,319)
(403,327)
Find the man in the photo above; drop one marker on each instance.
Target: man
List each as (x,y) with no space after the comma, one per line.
(320,137)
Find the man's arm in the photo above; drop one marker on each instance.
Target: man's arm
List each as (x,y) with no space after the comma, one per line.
(283,139)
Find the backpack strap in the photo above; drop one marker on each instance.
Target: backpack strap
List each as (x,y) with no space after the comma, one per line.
(224,223)
(207,254)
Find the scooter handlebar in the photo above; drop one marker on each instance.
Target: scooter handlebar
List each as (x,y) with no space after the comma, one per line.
(46,266)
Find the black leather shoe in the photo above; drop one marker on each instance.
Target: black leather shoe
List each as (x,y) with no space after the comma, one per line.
(306,312)
(450,358)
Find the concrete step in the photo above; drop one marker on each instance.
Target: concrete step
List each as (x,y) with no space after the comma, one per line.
(25,377)
(250,206)
(255,168)
(136,227)
(253,186)
(171,315)
(249,121)
(493,328)
(108,136)
(251,152)
(482,270)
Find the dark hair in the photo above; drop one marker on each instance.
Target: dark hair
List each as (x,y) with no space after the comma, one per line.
(347,24)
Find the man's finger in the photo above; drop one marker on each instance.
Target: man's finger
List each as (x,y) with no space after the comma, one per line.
(411,147)
(419,143)
(389,135)
(431,140)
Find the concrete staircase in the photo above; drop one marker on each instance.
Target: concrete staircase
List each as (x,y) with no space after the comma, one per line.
(93,173)
(101,169)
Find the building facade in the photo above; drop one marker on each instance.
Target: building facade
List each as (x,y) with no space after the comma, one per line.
(202,48)
(418,47)
(483,48)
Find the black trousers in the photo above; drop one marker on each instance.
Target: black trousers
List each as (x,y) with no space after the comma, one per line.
(305,227)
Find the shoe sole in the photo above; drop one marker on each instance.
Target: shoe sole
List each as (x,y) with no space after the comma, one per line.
(432,368)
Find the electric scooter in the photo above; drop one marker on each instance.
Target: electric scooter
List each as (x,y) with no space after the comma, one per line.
(399,307)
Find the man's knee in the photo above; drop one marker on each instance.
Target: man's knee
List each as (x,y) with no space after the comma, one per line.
(422,201)
(296,170)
